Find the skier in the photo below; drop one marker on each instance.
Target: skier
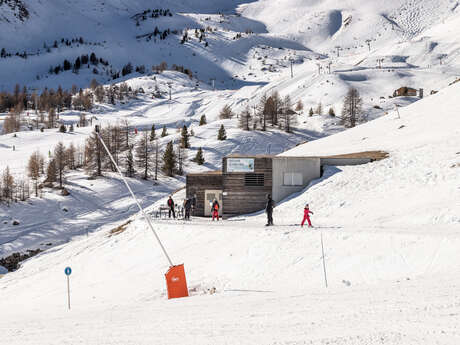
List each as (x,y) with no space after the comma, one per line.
(306,216)
(187,207)
(171,207)
(269,210)
(215,210)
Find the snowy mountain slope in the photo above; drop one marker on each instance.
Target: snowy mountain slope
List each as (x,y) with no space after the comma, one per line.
(418,184)
(307,32)
(391,281)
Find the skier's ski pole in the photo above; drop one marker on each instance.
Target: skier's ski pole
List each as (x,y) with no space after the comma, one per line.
(134,197)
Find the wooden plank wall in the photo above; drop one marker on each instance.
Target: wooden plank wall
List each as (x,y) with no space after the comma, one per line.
(197,184)
(241,199)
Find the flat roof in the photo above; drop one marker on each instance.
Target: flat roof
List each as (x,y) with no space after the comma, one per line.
(237,155)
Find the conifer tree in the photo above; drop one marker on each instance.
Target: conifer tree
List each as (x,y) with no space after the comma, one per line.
(310,112)
(199,158)
(164,133)
(185,142)
(152,133)
(169,160)
(51,171)
(222,135)
(203,120)
(130,162)
(331,112)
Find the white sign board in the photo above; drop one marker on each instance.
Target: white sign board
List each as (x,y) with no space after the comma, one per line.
(240,165)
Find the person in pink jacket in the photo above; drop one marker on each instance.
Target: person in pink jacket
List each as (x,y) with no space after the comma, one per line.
(306,216)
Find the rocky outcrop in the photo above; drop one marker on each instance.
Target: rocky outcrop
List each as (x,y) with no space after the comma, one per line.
(11,263)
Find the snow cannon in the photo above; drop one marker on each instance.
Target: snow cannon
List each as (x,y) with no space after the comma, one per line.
(176,283)
(175,277)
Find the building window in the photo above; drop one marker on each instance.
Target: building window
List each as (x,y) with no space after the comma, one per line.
(293,179)
(254,180)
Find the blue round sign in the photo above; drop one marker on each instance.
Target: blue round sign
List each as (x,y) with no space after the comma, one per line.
(68,271)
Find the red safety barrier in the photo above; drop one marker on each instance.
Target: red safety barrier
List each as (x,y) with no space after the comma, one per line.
(176,282)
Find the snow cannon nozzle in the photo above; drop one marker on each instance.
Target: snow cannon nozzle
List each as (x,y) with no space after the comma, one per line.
(96,128)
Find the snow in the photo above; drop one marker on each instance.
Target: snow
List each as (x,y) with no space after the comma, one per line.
(389,241)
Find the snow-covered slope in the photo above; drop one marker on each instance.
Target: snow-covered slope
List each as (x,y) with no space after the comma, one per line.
(390,231)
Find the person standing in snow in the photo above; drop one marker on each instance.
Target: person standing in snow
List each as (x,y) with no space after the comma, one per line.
(215,210)
(171,207)
(187,206)
(269,210)
(306,216)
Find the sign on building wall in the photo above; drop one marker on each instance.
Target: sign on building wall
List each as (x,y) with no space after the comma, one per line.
(240,165)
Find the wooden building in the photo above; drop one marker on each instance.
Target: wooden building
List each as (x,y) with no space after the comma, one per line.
(246,182)
(405,91)
(207,187)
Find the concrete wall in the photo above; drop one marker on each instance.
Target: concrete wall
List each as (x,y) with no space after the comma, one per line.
(344,161)
(310,168)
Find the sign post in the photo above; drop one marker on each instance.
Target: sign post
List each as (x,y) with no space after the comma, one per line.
(324,260)
(68,272)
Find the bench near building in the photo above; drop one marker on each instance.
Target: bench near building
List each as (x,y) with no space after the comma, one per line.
(243,184)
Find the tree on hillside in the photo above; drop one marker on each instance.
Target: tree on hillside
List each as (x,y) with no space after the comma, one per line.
(203,120)
(164,133)
(152,133)
(94,154)
(7,185)
(222,135)
(143,154)
(12,122)
(199,158)
(226,112)
(331,111)
(245,118)
(185,141)
(319,109)
(60,159)
(262,112)
(299,106)
(310,112)
(352,109)
(51,171)
(71,151)
(156,161)
(33,169)
(289,115)
(169,160)
(130,162)
(51,118)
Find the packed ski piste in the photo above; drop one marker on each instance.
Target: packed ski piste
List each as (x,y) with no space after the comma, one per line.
(230,172)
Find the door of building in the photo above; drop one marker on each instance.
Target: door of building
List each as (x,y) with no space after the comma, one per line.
(210,195)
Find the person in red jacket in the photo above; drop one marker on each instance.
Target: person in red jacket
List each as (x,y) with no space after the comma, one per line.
(215,210)
(306,216)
